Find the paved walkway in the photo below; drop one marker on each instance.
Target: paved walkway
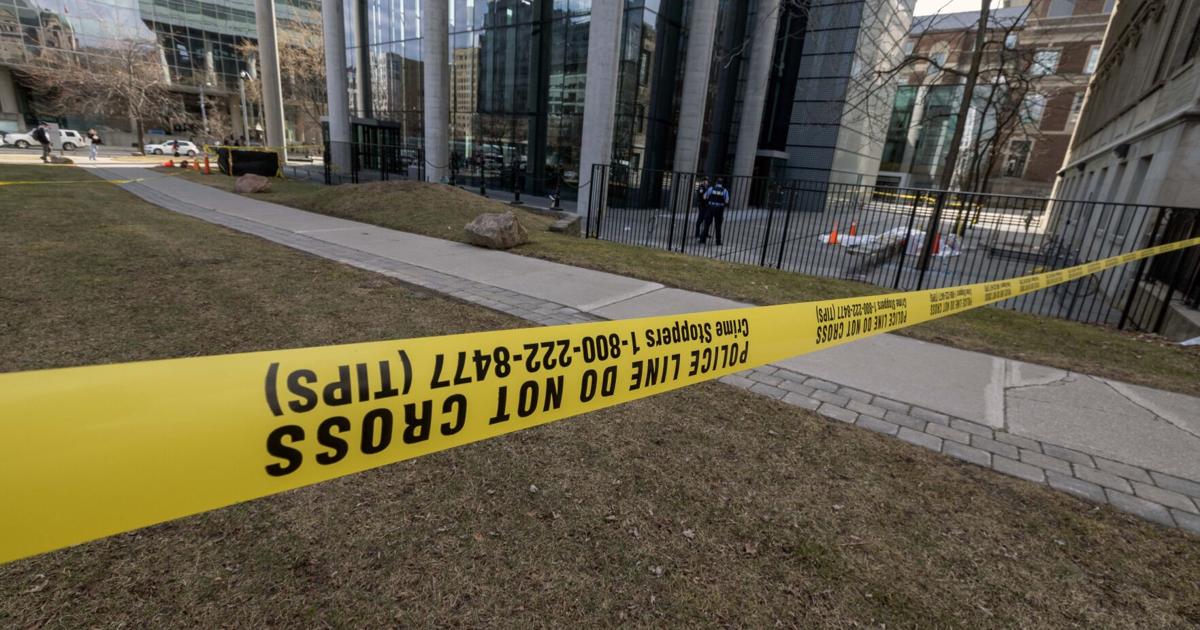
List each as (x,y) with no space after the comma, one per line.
(1133,447)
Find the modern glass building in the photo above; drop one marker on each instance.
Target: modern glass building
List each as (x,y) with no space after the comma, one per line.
(200,43)
(550,87)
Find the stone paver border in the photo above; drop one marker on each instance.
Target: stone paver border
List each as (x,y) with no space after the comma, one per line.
(1149,494)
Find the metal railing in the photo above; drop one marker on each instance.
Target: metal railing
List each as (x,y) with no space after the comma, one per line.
(359,161)
(908,239)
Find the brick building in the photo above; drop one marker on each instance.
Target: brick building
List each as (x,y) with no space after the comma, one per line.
(1035,70)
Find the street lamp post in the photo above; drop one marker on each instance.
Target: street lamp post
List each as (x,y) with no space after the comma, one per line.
(203,110)
(242,76)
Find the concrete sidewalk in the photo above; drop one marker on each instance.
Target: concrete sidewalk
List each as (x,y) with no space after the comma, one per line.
(1134,447)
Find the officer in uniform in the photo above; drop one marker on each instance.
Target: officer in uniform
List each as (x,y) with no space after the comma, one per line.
(717,197)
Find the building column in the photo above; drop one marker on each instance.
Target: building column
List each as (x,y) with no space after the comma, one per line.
(333,18)
(362,61)
(272,89)
(914,130)
(599,96)
(702,30)
(762,52)
(435,47)
(8,93)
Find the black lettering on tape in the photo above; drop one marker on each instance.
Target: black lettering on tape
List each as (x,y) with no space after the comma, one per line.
(416,426)
(296,385)
(327,438)
(270,386)
(382,417)
(290,455)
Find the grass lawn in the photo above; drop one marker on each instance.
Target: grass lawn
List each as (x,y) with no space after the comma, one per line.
(708,505)
(441,211)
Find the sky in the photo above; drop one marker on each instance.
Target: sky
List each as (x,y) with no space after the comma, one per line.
(926,7)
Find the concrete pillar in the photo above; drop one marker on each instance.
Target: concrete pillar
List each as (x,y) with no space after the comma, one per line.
(435,50)
(333,16)
(8,92)
(362,61)
(272,88)
(762,51)
(914,130)
(599,96)
(702,30)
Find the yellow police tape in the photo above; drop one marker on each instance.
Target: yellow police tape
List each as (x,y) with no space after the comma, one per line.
(95,451)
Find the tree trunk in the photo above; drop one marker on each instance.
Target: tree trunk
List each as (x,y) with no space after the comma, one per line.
(141,143)
(960,123)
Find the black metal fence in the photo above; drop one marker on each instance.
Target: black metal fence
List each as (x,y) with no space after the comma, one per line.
(908,239)
(360,161)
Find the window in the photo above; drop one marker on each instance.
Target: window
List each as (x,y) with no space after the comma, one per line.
(1018,155)
(1076,108)
(1034,107)
(938,60)
(1045,62)
(1061,8)
(1010,41)
(908,47)
(1093,59)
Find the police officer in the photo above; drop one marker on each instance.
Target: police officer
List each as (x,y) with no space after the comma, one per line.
(717,197)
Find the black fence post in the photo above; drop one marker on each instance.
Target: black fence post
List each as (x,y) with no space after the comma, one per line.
(771,199)
(1176,279)
(518,184)
(482,178)
(1137,277)
(931,233)
(787,222)
(912,219)
(325,162)
(672,201)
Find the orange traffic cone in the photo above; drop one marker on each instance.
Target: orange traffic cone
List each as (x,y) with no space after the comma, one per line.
(833,236)
(207,168)
(937,243)
(854,228)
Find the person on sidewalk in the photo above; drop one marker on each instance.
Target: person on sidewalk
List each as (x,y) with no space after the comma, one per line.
(42,135)
(716,198)
(94,143)
(701,205)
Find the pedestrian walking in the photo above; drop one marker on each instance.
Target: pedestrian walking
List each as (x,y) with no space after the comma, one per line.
(42,135)
(716,198)
(701,204)
(94,142)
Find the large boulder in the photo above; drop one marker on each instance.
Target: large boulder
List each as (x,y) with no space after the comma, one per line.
(496,231)
(251,183)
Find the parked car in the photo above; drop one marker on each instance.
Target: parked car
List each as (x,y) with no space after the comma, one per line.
(185,148)
(66,139)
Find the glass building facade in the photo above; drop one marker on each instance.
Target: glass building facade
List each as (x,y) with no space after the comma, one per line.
(200,42)
(517,72)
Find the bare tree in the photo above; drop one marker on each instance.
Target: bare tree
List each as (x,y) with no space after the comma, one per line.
(123,79)
(302,66)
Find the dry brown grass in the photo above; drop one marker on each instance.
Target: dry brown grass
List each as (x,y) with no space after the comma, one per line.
(708,506)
